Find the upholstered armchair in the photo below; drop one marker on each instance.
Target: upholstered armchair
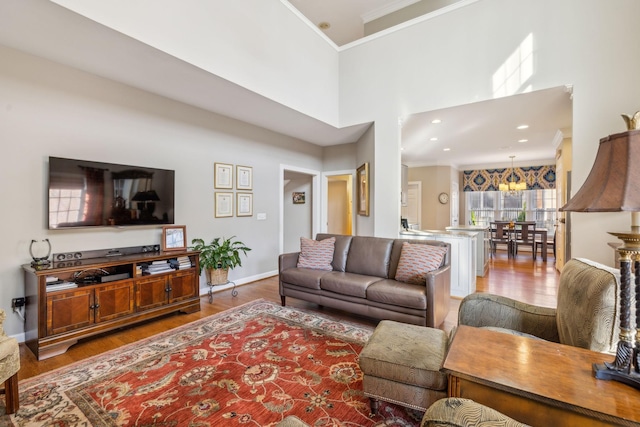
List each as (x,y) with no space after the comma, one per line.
(458,412)
(587,313)
(9,367)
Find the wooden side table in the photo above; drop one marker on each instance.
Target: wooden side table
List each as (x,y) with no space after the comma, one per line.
(537,382)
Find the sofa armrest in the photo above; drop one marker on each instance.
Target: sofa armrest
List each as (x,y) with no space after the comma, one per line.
(482,309)
(438,295)
(289,260)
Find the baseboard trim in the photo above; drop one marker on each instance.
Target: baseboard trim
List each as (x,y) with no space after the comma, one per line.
(238,282)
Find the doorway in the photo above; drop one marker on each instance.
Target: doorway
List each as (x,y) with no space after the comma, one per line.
(299,206)
(340,204)
(413,210)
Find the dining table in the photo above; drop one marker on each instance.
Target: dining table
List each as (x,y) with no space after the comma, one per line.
(512,231)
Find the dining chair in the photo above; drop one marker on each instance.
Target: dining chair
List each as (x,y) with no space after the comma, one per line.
(526,236)
(499,235)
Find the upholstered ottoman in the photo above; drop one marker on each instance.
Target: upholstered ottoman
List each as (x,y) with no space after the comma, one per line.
(292,421)
(401,364)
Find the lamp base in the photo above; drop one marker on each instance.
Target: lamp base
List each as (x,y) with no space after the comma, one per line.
(601,372)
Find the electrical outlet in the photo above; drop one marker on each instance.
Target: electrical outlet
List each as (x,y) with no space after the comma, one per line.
(17,303)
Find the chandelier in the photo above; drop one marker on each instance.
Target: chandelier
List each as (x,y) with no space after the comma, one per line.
(512,187)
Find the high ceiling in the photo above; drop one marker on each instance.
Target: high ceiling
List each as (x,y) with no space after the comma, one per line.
(345,19)
(482,133)
(486,133)
(44,29)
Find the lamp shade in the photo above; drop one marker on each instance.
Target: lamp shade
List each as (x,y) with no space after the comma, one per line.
(613,184)
(146,196)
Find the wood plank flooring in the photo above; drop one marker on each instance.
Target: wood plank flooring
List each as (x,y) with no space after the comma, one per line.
(530,281)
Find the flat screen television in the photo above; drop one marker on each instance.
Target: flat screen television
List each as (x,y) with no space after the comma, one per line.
(95,194)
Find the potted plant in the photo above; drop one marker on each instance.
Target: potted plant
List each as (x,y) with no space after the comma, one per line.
(217,257)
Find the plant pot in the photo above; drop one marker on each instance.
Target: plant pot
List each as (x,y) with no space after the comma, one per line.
(216,276)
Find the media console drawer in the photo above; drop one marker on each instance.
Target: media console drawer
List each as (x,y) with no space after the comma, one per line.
(65,304)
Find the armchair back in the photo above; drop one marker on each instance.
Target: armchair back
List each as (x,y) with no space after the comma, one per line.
(588,314)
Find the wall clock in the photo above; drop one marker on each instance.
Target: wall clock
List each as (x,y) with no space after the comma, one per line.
(443,198)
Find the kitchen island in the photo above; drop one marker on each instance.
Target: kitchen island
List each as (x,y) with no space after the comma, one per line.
(463,256)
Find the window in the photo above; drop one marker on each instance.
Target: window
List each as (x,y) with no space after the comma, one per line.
(66,200)
(529,205)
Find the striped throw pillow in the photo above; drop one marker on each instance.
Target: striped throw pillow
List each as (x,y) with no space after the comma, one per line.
(316,254)
(416,260)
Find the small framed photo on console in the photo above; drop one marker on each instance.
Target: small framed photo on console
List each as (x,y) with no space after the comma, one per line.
(174,237)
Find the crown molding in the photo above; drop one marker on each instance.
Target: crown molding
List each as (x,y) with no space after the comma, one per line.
(385,10)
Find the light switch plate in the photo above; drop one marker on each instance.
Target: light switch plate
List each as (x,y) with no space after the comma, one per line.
(261,216)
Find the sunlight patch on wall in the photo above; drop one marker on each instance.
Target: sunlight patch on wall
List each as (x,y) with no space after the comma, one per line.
(514,73)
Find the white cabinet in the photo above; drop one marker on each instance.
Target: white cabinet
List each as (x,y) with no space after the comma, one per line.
(463,256)
(483,245)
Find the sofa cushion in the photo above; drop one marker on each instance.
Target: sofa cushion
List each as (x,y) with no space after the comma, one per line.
(401,294)
(304,277)
(347,283)
(316,255)
(370,256)
(416,260)
(397,250)
(341,250)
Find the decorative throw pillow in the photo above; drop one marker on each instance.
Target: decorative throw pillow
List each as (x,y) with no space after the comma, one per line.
(316,254)
(416,260)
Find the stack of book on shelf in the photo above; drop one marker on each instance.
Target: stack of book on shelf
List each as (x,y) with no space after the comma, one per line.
(157,267)
(55,284)
(181,263)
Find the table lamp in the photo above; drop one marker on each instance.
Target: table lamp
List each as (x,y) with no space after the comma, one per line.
(613,185)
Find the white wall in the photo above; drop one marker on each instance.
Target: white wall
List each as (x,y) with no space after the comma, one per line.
(365,152)
(451,59)
(258,44)
(51,110)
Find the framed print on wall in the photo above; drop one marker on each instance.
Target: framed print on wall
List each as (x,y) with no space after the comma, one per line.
(223,176)
(298,197)
(224,204)
(174,237)
(244,204)
(362,178)
(244,178)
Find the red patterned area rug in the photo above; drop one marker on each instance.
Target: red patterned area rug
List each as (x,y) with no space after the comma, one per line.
(251,365)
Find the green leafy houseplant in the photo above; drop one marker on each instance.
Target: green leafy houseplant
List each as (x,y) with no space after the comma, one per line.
(221,254)
(523,213)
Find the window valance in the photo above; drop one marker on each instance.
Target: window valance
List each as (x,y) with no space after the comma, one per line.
(536,177)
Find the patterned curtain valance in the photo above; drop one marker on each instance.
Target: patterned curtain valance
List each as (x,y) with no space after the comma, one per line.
(536,177)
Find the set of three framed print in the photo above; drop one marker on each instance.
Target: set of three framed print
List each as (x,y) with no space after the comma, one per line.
(225,200)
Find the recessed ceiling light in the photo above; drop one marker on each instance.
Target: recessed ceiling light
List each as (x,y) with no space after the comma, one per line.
(522,127)
(324,25)
(523,140)
(436,121)
(446,149)
(435,138)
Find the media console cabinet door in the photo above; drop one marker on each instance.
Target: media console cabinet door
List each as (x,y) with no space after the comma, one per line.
(69,310)
(183,286)
(151,292)
(113,301)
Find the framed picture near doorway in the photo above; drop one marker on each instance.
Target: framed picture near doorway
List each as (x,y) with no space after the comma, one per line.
(362,179)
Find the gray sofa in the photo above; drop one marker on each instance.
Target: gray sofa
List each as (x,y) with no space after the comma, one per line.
(363,281)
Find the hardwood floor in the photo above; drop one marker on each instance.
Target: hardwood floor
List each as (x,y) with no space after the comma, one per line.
(530,281)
